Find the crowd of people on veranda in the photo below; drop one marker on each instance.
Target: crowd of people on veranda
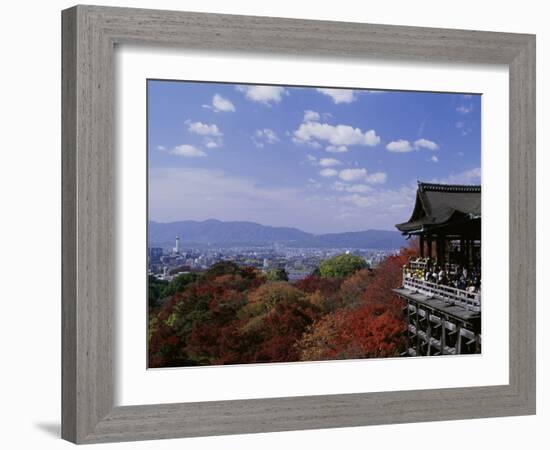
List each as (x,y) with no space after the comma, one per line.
(452,275)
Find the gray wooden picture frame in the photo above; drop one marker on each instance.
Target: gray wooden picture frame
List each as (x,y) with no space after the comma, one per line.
(89,36)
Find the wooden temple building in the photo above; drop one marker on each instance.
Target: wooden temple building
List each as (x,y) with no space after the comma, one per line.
(442,288)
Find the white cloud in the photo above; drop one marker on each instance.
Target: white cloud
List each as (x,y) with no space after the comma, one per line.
(344,187)
(263,94)
(425,143)
(203,129)
(352,174)
(361,174)
(312,144)
(329,162)
(360,200)
(211,133)
(187,151)
(328,173)
(312,159)
(465,109)
(266,135)
(339,95)
(400,146)
(313,184)
(464,131)
(336,135)
(392,206)
(404,146)
(472,176)
(199,194)
(311,116)
(376,178)
(362,188)
(161,148)
(433,159)
(220,104)
(334,149)
(212,143)
(460,153)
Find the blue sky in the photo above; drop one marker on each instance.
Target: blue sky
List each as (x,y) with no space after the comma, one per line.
(322,160)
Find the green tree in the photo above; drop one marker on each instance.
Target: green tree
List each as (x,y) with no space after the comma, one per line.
(341,266)
(155,287)
(222,268)
(196,325)
(182,280)
(178,284)
(277,275)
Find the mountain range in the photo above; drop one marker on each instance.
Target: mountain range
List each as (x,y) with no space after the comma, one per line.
(218,233)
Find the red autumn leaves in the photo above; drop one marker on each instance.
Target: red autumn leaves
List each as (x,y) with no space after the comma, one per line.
(233,315)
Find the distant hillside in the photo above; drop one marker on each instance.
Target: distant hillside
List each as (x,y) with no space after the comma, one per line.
(379,239)
(216,232)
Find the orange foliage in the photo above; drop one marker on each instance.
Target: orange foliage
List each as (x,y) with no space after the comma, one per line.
(353,288)
(375,328)
(388,276)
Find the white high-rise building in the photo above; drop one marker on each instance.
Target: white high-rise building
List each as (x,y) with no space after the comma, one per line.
(177,247)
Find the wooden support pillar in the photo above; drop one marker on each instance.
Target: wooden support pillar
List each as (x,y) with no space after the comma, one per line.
(442,339)
(429,246)
(477,256)
(458,346)
(417,325)
(410,337)
(439,250)
(421,242)
(428,334)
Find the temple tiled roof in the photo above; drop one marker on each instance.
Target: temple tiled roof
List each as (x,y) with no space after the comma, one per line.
(442,204)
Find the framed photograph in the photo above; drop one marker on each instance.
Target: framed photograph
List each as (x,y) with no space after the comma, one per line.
(278,224)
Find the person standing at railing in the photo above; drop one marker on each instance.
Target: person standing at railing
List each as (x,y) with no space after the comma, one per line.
(443,277)
(433,275)
(456,277)
(428,275)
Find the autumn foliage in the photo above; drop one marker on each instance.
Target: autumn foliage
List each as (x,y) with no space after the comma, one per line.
(235,315)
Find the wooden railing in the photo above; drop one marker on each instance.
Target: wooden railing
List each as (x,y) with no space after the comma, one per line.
(466,299)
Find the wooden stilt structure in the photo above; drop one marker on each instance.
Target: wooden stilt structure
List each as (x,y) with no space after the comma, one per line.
(443,320)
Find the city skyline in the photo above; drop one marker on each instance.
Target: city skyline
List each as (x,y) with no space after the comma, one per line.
(320,160)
